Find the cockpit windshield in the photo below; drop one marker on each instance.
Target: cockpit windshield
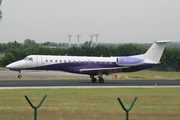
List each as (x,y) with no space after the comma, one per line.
(25,58)
(28,59)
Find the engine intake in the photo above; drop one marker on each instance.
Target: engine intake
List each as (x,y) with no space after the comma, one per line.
(129,61)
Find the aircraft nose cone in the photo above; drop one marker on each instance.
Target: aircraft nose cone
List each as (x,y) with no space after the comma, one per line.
(8,66)
(13,66)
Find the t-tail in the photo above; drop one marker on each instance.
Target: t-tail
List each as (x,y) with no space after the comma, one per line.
(154,53)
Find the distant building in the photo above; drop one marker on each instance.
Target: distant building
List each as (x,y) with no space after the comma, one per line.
(52,47)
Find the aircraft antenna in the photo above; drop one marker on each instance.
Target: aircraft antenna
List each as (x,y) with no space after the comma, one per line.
(69,35)
(78,39)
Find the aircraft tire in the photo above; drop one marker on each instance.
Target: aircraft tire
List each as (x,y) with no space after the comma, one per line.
(101,80)
(19,76)
(93,80)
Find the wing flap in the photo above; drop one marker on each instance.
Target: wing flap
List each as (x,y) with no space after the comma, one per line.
(104,70)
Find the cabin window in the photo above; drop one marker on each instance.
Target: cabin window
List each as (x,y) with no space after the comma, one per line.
(55,60)
(50,60)
(60,61)
(69,61)
(46,60)
(74,61)
(65,61)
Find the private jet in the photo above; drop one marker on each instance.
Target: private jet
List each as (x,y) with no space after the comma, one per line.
(92,66)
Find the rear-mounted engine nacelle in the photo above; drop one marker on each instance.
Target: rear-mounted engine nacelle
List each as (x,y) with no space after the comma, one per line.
(129,61)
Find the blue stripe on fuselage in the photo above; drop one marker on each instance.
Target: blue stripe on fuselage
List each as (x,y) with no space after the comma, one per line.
(75,67)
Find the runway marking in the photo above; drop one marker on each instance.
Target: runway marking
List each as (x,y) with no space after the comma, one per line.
(79,87)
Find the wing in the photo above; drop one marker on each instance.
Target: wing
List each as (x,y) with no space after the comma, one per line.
(103,70)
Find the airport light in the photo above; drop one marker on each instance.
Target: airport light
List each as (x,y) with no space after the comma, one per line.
(97,38)
(69,35)
(78,39)
(0,11)
(0,15)
(91,38)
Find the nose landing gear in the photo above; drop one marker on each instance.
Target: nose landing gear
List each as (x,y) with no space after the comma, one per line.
(19,76)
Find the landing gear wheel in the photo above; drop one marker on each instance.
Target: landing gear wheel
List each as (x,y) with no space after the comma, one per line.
(101,80)
(93,80)
(19,76)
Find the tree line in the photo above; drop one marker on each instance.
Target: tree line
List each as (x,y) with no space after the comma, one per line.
(13,51)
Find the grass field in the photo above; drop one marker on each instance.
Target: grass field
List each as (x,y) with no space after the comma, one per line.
(91,104)
(95,104)
(3,68)
(150,75)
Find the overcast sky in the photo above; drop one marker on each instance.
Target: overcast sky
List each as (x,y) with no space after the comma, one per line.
(117,21)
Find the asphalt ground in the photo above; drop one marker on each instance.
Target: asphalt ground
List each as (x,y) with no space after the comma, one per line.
(9,80)
(7,74)
(87,83)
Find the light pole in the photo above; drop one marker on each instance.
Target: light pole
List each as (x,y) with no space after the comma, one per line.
(0,12)
(91,38)
(97,38)
(69,35)
(78,39)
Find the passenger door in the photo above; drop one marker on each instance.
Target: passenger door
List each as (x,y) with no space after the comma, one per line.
(38,60)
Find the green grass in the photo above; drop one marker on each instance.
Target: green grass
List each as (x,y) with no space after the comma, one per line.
(91,104)
(150,75)
(3,68)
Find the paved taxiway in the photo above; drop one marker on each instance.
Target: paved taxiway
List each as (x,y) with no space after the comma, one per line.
(8,80)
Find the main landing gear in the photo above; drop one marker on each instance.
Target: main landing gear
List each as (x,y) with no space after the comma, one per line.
(94,80)
(101,80)
(19,76)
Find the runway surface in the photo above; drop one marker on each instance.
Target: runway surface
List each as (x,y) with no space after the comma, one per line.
(85,81)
